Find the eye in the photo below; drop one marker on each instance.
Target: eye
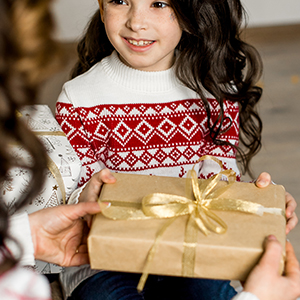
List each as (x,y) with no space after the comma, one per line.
(160,4)
(118,2)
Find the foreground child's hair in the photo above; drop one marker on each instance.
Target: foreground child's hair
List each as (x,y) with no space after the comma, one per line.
(210,57)
(27,56)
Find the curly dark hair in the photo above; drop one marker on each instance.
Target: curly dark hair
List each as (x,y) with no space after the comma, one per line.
(28,54)
(210,57)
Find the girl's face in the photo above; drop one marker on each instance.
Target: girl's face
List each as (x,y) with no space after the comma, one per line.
(144,32)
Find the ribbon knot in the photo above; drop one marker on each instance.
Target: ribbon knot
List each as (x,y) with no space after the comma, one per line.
(197,202)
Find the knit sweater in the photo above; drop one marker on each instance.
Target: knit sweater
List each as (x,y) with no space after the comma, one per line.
(132,121)
(21,284)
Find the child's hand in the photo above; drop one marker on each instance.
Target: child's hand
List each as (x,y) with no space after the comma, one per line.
(92,189)
(263,180)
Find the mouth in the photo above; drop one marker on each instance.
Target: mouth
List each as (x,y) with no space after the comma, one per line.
(140,43)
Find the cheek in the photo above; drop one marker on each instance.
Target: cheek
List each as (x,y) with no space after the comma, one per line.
(170,30)
(168,22)
(172,17)
(111,23)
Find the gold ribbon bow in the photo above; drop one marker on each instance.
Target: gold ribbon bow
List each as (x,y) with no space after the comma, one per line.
(201,199)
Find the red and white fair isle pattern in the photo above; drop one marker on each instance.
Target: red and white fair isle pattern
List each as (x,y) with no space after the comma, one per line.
(136,137)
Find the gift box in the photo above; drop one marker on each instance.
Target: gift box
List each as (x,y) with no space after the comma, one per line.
(124,245)
(62,175)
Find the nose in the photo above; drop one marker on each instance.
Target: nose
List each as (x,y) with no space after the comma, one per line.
(137,20)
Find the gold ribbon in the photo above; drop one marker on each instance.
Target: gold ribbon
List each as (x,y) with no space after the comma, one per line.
(56,133)
(57,175)
(51,164)
(201,199)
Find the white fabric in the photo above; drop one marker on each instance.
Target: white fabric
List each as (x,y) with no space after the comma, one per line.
(74,198)
(19,229)
(245,296)
(21,284)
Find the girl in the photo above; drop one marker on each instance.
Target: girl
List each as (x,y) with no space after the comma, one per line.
(158,85)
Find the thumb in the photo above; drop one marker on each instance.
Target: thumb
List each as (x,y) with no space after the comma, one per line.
(76,211)
(263,180)
(272,255)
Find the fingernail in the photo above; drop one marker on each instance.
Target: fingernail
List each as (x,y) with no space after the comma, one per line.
(261,182)
(272,238)
(105,205)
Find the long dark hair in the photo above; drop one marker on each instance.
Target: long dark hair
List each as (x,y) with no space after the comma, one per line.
(27,56)
(211,57)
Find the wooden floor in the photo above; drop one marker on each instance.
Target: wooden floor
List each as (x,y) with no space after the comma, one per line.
(280,106)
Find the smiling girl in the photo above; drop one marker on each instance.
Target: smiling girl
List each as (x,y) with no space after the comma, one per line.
(158,85)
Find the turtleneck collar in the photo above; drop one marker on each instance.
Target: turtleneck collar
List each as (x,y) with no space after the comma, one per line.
(141,81)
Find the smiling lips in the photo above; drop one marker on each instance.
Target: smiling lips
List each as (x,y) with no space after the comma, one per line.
(139,43)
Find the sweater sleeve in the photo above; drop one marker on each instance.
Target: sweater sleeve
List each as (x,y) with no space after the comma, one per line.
(70,121)
(19,229)
(245,296)
(21,284)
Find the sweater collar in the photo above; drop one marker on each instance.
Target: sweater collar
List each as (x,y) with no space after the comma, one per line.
(140,81)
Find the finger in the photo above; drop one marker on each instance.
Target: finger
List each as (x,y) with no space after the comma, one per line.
(292,264)
(82,249)
(80,210)
(84,238)
(263,180)
(291,223)
(85,233)
(91,191)
(104,176)
(272,255)
(88,219)
(79,259)
(291,204)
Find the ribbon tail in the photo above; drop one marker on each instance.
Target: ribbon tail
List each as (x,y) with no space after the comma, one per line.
(241,206)
(151,254)
(208,216)
(189,247)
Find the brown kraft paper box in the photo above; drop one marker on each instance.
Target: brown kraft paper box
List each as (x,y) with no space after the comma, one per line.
(123,245)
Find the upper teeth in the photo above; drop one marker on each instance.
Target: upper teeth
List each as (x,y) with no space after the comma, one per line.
(139,43)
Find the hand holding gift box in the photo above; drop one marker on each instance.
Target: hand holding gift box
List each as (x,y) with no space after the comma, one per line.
(179,248)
